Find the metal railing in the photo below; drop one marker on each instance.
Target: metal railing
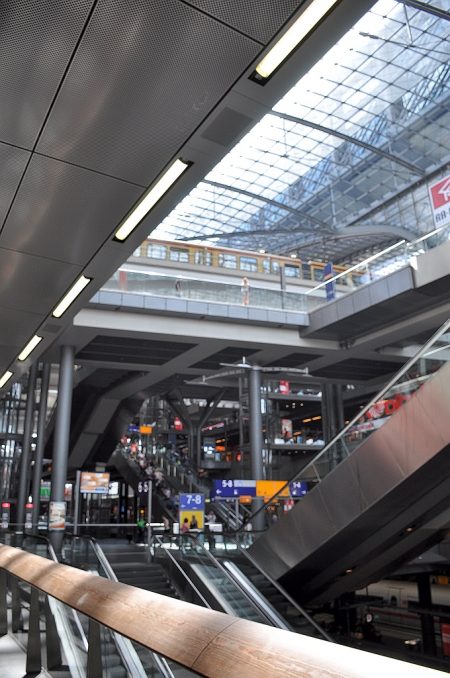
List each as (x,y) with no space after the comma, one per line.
(209,643)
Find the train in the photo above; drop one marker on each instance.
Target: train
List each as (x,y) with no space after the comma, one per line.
(243,261)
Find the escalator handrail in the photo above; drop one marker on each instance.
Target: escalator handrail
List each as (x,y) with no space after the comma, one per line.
(124,645)
(100,554)
(284,593)
(160,541)
(254,597)
(423,349)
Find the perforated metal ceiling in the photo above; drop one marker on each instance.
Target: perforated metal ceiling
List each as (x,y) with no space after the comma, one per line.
(96,98)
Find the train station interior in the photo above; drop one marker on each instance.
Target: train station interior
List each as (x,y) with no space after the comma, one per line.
(224,338)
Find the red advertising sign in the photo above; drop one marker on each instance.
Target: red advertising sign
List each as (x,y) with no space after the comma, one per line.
(440,201)
(285,387)
(445,634)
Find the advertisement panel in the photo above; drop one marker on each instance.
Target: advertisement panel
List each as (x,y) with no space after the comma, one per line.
(192,507)
(440,201)
(94,483)
(57,515)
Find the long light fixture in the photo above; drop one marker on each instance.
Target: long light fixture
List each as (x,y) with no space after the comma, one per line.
(71,295)
(150,198)
(29,347)
(293,37)
(5,378)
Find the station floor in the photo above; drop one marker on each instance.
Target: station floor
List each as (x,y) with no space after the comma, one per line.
(13,659)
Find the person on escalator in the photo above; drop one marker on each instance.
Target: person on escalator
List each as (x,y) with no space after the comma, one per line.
(141,524)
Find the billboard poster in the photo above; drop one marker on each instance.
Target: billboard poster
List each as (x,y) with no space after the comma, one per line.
(285,387)
(57,515)
(94,483)
(45,489)
(440,201)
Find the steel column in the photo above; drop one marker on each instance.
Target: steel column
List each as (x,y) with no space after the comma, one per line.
(62,432)
(39,456)
(256,441)
(426,619)
(22,495)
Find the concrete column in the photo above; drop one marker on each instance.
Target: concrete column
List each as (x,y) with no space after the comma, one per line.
(256,441)
(39,455)
(22,494)
(62,432)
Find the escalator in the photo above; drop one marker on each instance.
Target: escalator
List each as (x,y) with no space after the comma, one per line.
(227,580)
(132,566)
(377,502)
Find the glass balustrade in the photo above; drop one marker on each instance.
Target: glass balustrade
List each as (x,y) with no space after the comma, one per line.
(373,268)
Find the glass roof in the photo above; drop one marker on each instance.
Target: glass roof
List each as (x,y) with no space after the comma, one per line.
(369,120)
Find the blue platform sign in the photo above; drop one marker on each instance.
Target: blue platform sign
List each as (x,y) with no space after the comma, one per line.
(298,488)
(234,488)
(195,502)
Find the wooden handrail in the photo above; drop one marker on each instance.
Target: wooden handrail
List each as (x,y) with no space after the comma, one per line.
(211,643)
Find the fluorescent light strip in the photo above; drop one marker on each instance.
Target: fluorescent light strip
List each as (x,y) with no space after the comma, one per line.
(29,347)
(150,199)
(293,36)
(6,377)
(71,295)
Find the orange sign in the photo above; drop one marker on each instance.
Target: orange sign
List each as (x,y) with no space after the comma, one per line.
(267,488)
(146,429)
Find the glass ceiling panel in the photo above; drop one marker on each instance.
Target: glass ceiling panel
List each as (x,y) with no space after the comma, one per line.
(384,89)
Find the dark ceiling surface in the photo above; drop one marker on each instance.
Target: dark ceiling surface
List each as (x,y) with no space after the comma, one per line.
(97,98)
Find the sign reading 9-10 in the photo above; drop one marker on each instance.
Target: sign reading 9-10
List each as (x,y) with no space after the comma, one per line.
(192,507)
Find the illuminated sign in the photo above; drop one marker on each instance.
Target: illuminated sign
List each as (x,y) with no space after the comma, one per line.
(94,483)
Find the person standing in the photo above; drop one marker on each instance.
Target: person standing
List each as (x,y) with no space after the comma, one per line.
(245,291)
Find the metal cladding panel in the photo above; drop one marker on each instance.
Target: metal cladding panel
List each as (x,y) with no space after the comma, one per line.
(144,77)
(16,324)
(12,164)
(400,471)
(16,328)
(37,284)
(259,20)
(64,212)
(37,40)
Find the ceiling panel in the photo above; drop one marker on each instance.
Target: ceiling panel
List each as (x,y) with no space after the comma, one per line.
(294,360)
(64,212)
(16,327)
(37,40)
(32,284)
(12,164)
(231,354)
(129,350)
(259,22)
(144,77)
(358,369)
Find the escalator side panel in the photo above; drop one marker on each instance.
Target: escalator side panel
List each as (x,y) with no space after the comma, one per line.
(403,465)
